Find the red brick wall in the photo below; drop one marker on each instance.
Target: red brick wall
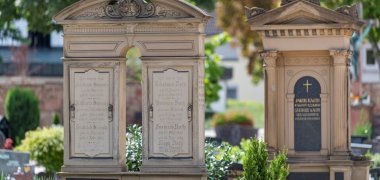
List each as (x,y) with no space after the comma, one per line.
(49,92)
(50,95)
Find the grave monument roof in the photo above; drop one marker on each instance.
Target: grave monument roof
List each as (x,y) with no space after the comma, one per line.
(303,14)
(123,11)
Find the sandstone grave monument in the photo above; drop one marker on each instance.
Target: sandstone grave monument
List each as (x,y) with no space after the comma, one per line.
(307,56)
(97,36)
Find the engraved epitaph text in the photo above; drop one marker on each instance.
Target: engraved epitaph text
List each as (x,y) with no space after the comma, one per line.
(171,113)
(91,118)
(307,115)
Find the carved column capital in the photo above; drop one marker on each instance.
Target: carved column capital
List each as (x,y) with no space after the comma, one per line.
(270,58)
(341,56)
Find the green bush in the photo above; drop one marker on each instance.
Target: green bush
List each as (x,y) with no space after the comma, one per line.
(133,148)
(375,158)
(233,117)
(45,146)
(256,166)
(254,108)
(55,119)
(363,129)
(22,111)
(218,160)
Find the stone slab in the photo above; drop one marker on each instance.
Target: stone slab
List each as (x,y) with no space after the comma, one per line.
(133,176)
(90,114)
(171,114)
(307,115)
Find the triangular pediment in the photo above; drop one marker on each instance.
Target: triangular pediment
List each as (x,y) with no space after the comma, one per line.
(129,11)
(299,12)
(301,17)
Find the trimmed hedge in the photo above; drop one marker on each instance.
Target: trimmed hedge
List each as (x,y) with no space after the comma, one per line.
(23,112)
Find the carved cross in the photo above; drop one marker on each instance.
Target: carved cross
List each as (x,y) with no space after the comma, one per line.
(307,86)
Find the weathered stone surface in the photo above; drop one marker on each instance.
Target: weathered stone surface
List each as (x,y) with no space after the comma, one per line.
(171,114)
(91,113)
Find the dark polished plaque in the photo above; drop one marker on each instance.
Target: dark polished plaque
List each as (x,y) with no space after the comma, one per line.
(307,115)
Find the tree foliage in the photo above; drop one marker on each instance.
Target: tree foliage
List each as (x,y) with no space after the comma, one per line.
(23,112)
(213,71)
(371,11)
(38,14)
(231,17)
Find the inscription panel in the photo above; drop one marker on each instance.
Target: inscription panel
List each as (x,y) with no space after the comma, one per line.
(91,112)
(307,115)
(170,113)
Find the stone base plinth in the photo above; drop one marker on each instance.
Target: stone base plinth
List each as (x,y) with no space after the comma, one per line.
(93,169)
(329,169)
(132,176)
(172,169)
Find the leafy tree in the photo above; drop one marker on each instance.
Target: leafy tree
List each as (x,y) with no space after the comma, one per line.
(23,112)
(213,71)
(231,17)
(204,4)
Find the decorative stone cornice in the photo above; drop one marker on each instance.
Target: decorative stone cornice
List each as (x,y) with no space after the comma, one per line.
(349,10)
(132,28)
(307,32)
(284,2)
(270,58)
(254,11)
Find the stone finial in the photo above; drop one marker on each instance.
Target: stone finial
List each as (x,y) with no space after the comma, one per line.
(349,10)
(284,2)
(254,11)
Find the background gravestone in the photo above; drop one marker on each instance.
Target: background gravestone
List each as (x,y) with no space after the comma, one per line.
(10,161)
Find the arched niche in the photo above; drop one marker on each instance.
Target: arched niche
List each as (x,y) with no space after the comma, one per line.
(311,78)
(97,36)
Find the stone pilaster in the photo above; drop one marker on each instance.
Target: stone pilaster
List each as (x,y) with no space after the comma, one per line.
(270,63)
(340,89)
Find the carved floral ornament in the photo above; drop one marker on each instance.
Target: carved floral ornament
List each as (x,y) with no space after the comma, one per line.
(130,9)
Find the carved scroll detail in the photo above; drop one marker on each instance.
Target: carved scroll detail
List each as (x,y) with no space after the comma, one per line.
(130,8)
